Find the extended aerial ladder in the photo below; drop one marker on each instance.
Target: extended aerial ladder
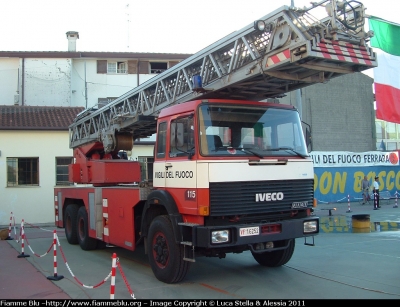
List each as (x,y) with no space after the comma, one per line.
(283,51)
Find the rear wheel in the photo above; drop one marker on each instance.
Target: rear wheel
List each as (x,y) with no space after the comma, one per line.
(276,258)
(70,220)
(165,256)
(86,242)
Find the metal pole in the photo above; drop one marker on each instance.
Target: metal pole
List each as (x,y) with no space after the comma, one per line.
(85,87)
(298,92)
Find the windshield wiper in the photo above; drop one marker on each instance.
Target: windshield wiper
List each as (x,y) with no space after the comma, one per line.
(247,151)
(288,149)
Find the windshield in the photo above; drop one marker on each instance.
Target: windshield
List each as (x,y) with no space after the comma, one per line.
(251,131)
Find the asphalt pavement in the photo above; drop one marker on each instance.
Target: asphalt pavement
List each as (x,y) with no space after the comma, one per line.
(23,276)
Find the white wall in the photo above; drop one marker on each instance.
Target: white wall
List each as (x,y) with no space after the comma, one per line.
(47,82)
(8,80)
(141,151)
(34,204)
(61,82)
(99,85)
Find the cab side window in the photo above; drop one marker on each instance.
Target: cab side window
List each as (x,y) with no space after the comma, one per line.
(161,140)
(181,137)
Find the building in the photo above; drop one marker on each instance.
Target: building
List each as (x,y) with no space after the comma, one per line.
(34,158)
(41,94)
(339,113)
(72,79)
(387,135)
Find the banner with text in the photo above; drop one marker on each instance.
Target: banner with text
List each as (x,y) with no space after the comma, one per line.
(354,159)
(336,184)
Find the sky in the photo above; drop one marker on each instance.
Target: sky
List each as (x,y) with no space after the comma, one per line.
(174,26)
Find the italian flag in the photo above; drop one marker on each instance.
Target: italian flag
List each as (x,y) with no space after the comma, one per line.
(387,74)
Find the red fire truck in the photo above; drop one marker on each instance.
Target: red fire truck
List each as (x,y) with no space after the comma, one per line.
(231,169)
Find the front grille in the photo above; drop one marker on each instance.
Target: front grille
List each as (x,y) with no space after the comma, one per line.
(239,198)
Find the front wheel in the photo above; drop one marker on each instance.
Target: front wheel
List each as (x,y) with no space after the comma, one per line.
(165,255)
(86,242)
(276,258)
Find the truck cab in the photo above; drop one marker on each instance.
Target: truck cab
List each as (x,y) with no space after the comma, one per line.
(238,177)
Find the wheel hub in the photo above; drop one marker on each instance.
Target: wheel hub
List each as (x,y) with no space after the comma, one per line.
(160,250)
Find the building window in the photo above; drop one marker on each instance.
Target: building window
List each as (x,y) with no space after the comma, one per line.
(62,170)
(22,172)
(391,145)
(391,131)
(380,130)
(116,67)
(158,67)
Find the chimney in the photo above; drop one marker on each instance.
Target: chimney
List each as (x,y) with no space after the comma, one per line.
(72,36)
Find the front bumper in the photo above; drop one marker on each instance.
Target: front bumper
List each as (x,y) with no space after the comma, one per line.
(282,230)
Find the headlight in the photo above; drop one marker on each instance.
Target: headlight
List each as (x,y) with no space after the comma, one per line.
(259,25)
(310,226)
(219,236)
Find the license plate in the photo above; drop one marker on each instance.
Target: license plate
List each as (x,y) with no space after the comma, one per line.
(249,231)
(300,204)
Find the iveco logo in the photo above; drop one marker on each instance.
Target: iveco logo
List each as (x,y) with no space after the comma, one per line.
(269,196)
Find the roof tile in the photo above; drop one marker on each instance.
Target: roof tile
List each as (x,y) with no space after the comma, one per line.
(37,117)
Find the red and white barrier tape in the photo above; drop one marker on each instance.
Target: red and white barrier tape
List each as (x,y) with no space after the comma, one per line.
(12,219)
(37,255)
(329,202)
(73,275)
(33,226)
(125,280)
(56,241)
(348,199)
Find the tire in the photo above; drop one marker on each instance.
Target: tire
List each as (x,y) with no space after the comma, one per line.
(70,221)
(165,256)
(86,242)
(276,258)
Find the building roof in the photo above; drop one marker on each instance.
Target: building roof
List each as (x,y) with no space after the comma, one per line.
(37,117)
(94,54)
